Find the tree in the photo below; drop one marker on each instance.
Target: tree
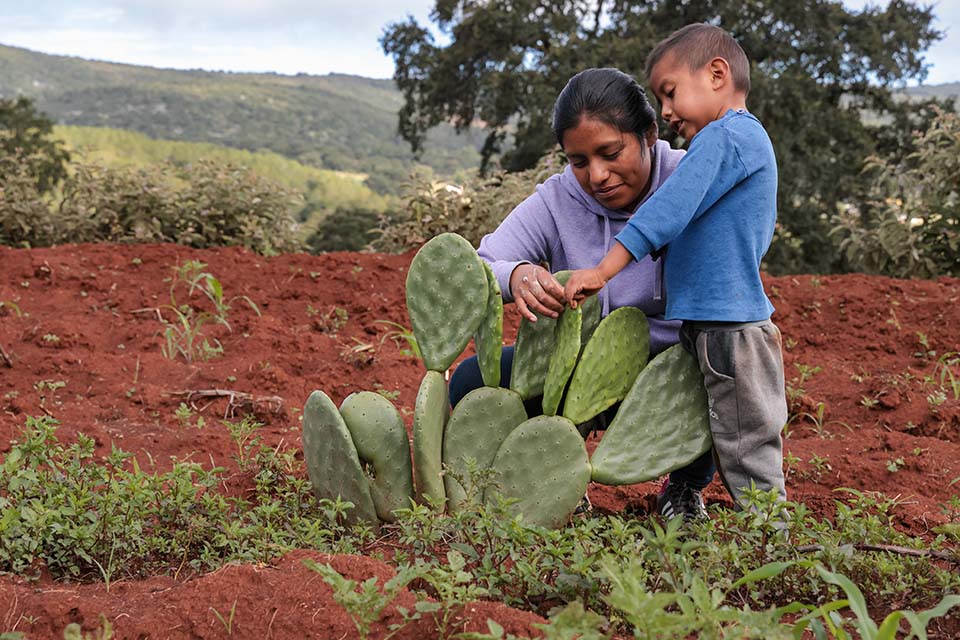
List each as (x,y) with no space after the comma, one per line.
(816,68)
(28,132)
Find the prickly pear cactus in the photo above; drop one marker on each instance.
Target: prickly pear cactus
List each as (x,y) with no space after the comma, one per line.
(477,427)
(618,350)
(590,309)
(430,415)
(543,463)
(378,433)
(563,359)
(662,424)
(332,462)
(489,336)
(447,296)
(531,356)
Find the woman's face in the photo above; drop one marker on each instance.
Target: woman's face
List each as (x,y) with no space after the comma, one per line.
(610,165)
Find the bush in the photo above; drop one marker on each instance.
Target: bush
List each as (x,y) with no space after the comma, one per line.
(473,210)
(25,215)
(204,204)
(346,229)
(910,224)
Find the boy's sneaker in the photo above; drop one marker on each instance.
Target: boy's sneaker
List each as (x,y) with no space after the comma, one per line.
(680,498)
(584,508)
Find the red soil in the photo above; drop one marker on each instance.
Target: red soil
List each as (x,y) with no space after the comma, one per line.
(100,301)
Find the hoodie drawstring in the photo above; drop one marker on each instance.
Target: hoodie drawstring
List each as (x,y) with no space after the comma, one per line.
(605,292)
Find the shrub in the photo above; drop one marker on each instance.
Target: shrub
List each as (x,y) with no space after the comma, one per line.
(473,210)
(346,229)
(204,204)
(910,224)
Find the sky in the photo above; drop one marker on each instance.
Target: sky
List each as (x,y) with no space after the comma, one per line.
(285,36)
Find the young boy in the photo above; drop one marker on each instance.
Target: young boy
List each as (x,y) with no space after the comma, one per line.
(717,213)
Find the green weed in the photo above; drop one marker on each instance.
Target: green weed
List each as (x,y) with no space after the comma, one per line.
(184,335)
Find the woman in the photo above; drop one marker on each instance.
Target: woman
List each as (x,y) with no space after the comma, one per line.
(608,131)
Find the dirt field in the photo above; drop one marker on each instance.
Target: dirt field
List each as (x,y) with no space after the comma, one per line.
(89,320)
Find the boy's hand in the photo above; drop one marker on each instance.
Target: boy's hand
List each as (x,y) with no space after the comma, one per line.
(536,291)
(583,283)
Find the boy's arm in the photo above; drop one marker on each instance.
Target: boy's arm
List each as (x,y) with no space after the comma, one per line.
(709,169)
(586,282)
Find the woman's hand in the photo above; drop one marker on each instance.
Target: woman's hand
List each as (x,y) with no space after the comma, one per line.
(536,291)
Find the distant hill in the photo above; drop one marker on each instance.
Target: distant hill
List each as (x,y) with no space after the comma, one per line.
(946,90)
(339,122)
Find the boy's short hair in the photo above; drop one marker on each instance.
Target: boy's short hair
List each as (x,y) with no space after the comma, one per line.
(697,44)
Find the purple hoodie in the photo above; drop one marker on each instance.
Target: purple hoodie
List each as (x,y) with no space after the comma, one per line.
(561,225)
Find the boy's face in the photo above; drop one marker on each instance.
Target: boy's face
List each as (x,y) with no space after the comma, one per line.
(689,100)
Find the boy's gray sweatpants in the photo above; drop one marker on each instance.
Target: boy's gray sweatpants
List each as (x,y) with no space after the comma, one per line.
(742,366)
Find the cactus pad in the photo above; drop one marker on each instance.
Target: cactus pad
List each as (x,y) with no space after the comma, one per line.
(617,352)
(430,414)
(477,427)
(332,462)
(563,359)
(531,356)
(489,336)
(662,424)
(543,464)
(447,296)
(590,309)
(380,437)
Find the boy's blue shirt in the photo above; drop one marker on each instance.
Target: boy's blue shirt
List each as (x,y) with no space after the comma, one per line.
(717,212)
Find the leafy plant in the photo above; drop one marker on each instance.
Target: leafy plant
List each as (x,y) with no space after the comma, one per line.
(364,603)
(910,225)
(401,335)
(184,336)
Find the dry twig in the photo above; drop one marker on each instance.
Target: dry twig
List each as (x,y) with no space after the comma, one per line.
(891,548)
(235,399)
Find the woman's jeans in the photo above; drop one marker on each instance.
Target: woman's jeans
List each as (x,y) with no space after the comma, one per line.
(466,378)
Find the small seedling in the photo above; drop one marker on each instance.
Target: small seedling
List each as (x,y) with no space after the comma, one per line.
(400,335)
(869,402)
(51,338)
(894,465)
(242,435)
(331,321)
(925,350)
(6,304)
(226,621)
(184,335)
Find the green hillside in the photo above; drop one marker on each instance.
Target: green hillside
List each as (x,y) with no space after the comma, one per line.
(338,122)
(324,190)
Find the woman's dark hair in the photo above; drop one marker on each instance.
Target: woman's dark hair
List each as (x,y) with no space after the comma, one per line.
(609,95)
